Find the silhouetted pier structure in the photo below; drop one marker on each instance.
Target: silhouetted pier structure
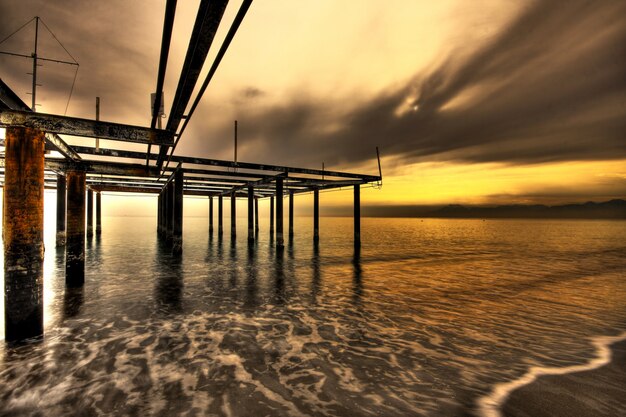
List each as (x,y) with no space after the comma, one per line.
(29,165)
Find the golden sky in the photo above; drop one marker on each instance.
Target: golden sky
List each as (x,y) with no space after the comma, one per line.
(481,102)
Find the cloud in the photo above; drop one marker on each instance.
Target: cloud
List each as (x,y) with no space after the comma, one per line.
(550,87)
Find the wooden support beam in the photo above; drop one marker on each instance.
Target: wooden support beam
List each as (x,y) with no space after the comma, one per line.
(89,213)
(357,215)
(73,126)
(61,196)
(280,242)
(98,213)
(177,239)
(75,246)
(23,234)
(250,214)
(316,216)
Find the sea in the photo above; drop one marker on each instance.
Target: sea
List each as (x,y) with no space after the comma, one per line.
(431,317)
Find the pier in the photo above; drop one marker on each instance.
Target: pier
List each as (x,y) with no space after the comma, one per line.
(37,157)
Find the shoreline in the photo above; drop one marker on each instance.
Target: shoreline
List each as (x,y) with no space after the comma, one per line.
(578,390)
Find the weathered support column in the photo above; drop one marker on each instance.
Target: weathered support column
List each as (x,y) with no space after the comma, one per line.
(169,211)
(279,213)
(89,213)
(256,214)
(357,215)
(177,240)
(220,215)
(61,187)
(250,214)
(159,214)
(75,247)
(290,215)
(233,215)
(316,216)
(23,233)
(211,215)
(98,212)
(272,216)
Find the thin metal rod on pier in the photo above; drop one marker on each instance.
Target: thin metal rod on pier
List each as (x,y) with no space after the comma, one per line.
(316,216)
(280,242)
(177,239)
(290,215)
(89,213)
(61,186)
(23,233)
(250,214)
(211,215)
(357,215)
(75,246)
(98,213)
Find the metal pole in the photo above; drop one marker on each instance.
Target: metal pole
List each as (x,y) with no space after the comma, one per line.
(233,216)
(235,141)
(34,92)
(97,118)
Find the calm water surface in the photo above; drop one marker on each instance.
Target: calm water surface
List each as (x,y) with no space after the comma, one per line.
(425,320)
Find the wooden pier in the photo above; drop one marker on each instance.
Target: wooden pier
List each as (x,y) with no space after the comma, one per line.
(36,157)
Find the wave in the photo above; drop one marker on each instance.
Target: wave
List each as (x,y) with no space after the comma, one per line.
(490,405)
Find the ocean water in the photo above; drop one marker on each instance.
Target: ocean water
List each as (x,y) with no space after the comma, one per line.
(431,318)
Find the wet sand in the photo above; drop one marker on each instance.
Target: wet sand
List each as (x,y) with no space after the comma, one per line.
(597,392)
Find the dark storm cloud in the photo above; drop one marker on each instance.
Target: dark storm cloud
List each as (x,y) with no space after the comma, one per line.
(551,87)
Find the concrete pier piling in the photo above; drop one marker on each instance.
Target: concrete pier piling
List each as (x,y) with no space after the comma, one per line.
(220,215)
(177,238)
(280,242)
(250,214)
(290,215)
(98,213)
(61,196)
(256,215)
(23,233)
(169,211)
(271,216)
(357,215)
(75,246)
(233,215)
(160,214)
(211,215)
(316,216)
(89,213)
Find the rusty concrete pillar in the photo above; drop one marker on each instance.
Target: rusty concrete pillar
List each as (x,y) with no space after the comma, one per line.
(23,233)
(89,213)
(233,215)
(250,214)
(357,215)
(256,214)
(271,216)
(75,246)
(169,204)
(211,215)
(316,215)
(98,212)
(61,187)
(280,242)
(290,215)
(220,215)
(177,239)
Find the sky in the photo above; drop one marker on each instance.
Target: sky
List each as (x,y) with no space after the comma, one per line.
(481,102)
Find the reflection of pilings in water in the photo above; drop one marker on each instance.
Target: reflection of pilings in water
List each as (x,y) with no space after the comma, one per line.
(169,283)
(23,233)
(73,300)
(316,274)
(279,277)
(357,281)
(250,300)
(234,270)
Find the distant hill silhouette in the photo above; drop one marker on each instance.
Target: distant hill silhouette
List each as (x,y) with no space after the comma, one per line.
(614,209)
